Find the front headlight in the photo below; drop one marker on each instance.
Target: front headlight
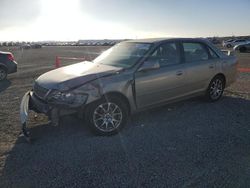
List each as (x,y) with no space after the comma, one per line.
(60,96)
(69,98)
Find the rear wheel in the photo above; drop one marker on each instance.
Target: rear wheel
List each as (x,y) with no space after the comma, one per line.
(215,89)
(107,116)
(3,73)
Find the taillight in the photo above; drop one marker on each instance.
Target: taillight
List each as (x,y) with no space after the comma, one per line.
(10,57)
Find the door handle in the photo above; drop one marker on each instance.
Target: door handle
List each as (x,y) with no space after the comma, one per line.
(211,66)
(179,73)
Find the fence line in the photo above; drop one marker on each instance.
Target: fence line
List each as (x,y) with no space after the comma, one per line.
(59,58)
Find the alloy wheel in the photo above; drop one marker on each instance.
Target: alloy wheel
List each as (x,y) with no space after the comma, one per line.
(216,89)
(107,117)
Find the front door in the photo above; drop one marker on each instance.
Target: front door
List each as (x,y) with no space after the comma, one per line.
(162,84)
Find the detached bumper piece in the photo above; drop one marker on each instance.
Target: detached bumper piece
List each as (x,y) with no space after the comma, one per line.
(30,102)
(24,110)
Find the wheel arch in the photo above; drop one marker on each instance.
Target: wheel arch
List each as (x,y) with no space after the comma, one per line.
(118,95)
(3,66)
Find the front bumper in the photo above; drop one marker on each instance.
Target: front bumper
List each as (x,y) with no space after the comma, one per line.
(31,102)
(38,105)
(24,109)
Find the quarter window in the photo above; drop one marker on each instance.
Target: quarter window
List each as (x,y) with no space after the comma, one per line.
(167,54)
(195,52)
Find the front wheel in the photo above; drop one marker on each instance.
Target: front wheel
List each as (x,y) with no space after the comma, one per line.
(107,116)
(215,89)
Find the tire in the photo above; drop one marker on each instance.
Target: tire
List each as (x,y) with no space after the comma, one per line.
(229,45)
(243,49)
(107,116)
(3,73)
(215,89)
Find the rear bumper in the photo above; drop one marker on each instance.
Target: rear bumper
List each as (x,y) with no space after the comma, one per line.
(12,67)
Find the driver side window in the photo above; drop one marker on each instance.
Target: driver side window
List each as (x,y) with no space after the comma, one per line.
(166,54)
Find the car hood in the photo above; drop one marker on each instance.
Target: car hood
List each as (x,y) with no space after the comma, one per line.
(72,76)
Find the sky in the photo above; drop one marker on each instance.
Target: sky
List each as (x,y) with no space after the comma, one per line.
(70,20)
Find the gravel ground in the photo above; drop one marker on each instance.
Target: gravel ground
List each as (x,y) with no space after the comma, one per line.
(188,144)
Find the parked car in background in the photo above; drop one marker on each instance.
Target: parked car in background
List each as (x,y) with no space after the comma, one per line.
(130,77)
(214,40)
(36,46)
(232,43)
(243,47)
(7,64)
(25,46)
(227,41)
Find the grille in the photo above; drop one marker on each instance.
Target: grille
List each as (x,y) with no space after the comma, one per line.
(40,91)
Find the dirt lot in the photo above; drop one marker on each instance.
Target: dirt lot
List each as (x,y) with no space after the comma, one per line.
(189,144)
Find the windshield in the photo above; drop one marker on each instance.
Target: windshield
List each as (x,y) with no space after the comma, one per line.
(123,55)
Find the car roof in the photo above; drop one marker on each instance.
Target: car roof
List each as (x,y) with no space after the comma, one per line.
(160,40)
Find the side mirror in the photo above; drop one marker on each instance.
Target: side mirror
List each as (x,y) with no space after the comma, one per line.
(149,65)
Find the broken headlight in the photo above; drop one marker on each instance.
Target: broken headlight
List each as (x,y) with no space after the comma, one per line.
(69,98)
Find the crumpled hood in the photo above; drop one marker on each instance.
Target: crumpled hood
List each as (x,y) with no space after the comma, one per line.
(74,75)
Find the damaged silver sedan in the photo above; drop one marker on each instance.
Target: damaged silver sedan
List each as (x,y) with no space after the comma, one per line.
(129,77)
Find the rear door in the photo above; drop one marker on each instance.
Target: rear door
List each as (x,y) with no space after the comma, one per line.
(162,84)
(200,66)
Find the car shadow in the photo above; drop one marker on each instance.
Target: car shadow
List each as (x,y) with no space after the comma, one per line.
(187,144)
(4,85)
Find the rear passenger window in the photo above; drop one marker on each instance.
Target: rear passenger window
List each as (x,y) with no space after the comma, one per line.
(195,52)
(167,54)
